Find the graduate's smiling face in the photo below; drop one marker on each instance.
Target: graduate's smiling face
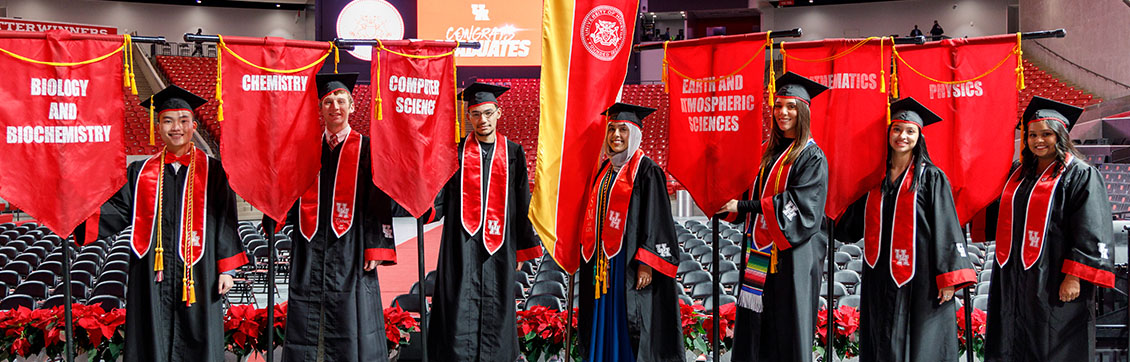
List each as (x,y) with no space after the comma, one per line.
(617,136)
(903,137)
(335,109)
(483,118)
(1041,140)
(177,127)
(785,114)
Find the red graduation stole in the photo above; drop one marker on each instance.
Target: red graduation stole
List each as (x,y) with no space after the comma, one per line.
(1036,214)
(767,231)
(903,247)
(471,189)
(344,197)
(151,201)
(619,198)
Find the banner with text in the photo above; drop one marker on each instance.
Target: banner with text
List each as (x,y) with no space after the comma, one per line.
(973,85)
(9,24)
(849,122)
(716,88)
(271,139)
(414,122)
(62,116)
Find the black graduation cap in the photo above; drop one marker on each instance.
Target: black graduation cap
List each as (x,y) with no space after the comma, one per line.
(628,113)
(479,93)
(1042,108)
(910,110)
(792,85)
(173,97)
(332,82)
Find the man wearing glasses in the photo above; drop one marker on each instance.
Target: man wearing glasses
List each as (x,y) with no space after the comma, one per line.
(486,234)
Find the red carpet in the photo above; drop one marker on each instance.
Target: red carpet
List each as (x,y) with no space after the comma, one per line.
(398,279)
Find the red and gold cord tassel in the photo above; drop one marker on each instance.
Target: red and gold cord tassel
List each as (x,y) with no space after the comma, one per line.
(159,252)
(190,236)
(772,72)
(152,108)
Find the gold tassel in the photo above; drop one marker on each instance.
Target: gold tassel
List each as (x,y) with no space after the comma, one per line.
(377,94)
(784,59)
(772,72)
(337,56)
(1019,65)
(895,72)
(219,80)
(455,95)
(159,252)
(883,73)
(152,107)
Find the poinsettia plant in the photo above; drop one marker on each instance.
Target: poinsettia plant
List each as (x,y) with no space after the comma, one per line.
(399,326)
(698,327)
(241,330)
(977,328)
(541,331)
(846,337)
(28,332)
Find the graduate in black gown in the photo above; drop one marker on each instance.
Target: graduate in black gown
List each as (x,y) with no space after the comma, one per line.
(184,237)
(343,231)
(784,214)
(629,310)
(1053,251)
(914,249)
(486,234)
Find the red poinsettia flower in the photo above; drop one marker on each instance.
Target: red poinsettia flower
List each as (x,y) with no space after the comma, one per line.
(822,325)
(243,322)
(847,321)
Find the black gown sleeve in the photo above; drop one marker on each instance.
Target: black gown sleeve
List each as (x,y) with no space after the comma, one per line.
(658,246)
(951,266)
(114,215)
(1086,223)
(379,241)
(849,228)
(527,243)
(230,253)
(799,210)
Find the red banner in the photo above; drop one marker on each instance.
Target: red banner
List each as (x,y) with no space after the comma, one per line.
(271,139)
(415,107)
(585,49)
(716,87)
(972,85)
(8,24)
(62,114)
(849,122)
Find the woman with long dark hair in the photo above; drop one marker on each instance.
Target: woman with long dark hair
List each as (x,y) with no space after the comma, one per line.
(784,214)
(1052,234)
(914,250)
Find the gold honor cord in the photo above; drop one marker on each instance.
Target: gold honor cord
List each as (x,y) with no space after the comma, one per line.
(667,66)
(159,251)
(219,72)
(127,76)
(378,111)
(1017,51)
(188,235)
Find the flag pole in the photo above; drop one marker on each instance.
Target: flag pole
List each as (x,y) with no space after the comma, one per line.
(269,229)
(70,349)
(831,260)
(420,291)
(715,290)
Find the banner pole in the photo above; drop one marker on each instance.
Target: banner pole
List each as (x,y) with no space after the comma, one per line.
(569,317)
(269,229)
(831,260)
(420,292)
(67,298)
(716,335)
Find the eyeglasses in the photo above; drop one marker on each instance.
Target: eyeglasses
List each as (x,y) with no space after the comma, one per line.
(477,114)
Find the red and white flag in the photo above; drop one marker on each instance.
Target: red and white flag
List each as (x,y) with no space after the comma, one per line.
(271,139)
(414,105)
(62,115)
(973,85)
(585,49)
